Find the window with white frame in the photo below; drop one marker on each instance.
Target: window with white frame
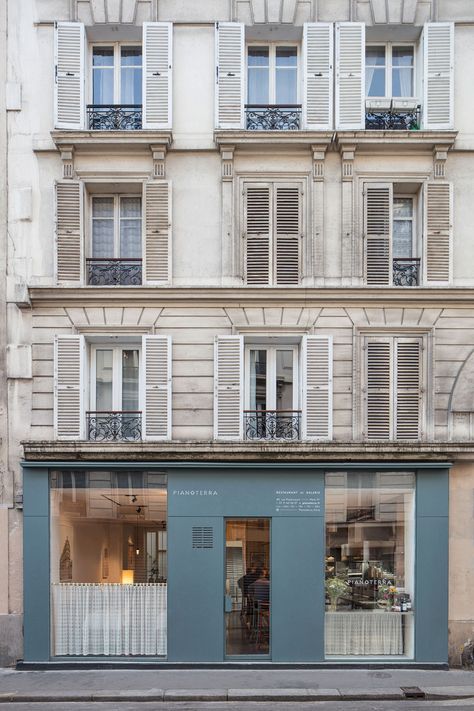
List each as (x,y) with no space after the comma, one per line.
(272,228)
(390,70)
(116,74)
(114,393)
(115,240)
(272,392)
(272,87)
(394,375)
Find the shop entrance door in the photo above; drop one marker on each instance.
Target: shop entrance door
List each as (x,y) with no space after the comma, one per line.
(247,587)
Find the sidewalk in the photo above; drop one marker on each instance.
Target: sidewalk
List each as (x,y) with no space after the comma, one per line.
(231,685)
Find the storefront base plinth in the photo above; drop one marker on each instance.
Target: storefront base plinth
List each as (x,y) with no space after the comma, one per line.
(60,665)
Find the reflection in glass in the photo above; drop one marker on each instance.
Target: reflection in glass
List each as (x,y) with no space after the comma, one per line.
(131,75)
(403,228)
(258,75)
(103,75)
(370,563)
(108,563)
(102,227)
(104,380)
(247,586)
(130,380)
(258,380)
(375,71)
(284,380)
(402,71)
(130,227)
(286,74)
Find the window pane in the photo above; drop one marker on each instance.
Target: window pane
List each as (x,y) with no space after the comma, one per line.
(403,228)
(402,56)
(258,86)
(402,82)
(130,228)
(258,56)
(103,380)
(402,207)
(258,380)
(286,56)
(103,75)
(130,380)
(131,56)
(375,56)
(370,522)
(284,380)
(286,91)
(375,81)
(102,228)
(108,564)
(247,586)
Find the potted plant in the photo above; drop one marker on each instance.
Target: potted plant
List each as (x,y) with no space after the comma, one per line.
(335,588)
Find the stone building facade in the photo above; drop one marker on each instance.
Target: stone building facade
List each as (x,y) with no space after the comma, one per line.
(239,328)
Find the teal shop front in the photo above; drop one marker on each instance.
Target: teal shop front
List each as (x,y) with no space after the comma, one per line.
(211,563)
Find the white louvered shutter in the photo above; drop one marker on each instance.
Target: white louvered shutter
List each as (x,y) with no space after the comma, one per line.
(438,232)
(318,75)
(228,376)
(69,54)
(287,233)
(438,75)
(157,231)
(379,388)
(350,75)
(378,233)
(230,76)
(258,233)
(69,375)
(156,387)
(408,388)
(69,240)
(317,362)
(157,74)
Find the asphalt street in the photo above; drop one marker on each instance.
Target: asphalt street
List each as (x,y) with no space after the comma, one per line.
(248,706)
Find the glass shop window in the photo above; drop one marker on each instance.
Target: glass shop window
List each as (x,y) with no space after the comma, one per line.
(370,555)
(108,563)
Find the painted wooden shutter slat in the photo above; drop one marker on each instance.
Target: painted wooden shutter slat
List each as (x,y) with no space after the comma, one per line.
(69,230)
(438,71)
(228,365)
(318,75)
(69,363)
(350,75)
(379,401)
(69,51)
(287,233)
(408,383)
(317,387)
(230,77)
(378,233)
(258,234)
(438,232)
(157,231)
(157,387)
(157,74)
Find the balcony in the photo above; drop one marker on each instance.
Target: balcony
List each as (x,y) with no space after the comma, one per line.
(406,271)
(114,117)
(392,117)
(272,425)
(272,117)
(123,426)
(114,272)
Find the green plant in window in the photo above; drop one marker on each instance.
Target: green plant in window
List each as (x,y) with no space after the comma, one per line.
(336,587)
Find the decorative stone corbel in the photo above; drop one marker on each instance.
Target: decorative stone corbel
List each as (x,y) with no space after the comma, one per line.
(316,254)
(440,156)
(67,157)
(159,163)
(347,167)
(227,160)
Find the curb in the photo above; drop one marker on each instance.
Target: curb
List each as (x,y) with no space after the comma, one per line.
(243,695)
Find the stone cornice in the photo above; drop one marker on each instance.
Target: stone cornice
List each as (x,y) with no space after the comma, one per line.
(192,451)
(272,139)
(111,140)
(250,296)
(380,141)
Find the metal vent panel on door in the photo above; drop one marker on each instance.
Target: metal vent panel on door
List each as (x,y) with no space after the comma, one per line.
(203,537)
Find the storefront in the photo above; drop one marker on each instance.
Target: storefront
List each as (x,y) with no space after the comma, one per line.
(304,563)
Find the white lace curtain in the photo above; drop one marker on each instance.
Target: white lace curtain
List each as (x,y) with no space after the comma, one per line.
(109,619)
(364,633)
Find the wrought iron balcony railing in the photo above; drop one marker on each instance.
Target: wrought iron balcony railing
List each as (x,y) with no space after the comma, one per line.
(272,424)
(393,119)
(406,271)
(113,272)
(273,117)
(114,117)
(114,426)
